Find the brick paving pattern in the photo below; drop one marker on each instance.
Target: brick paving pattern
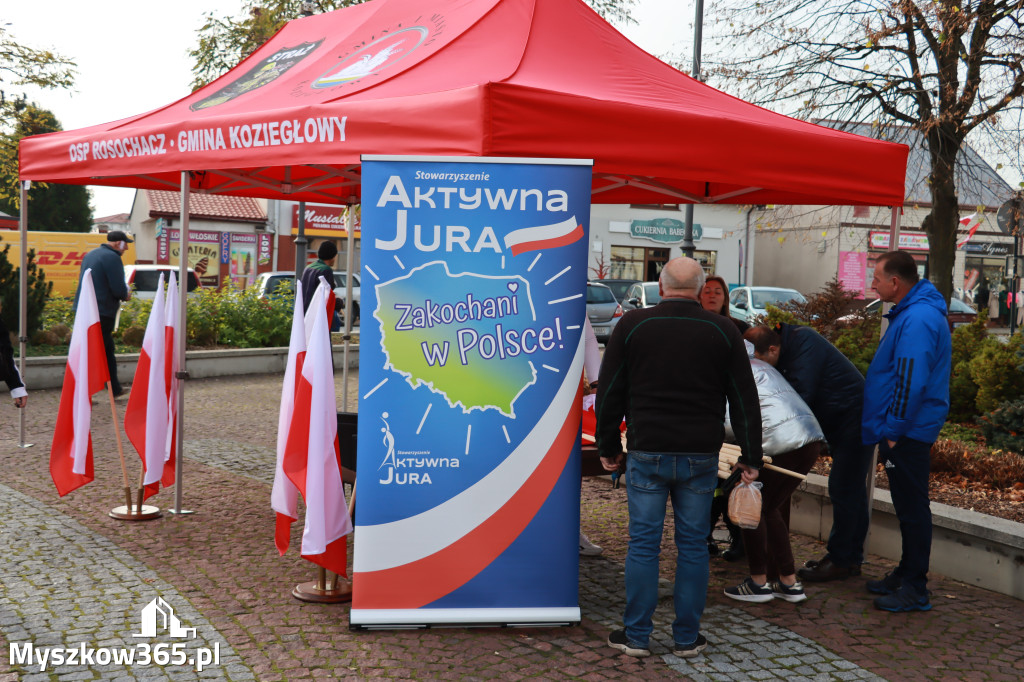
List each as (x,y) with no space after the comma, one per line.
(73,574)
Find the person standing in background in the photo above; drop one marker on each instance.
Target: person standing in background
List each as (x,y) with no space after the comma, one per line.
(8,369)
(906,400)
(111,288)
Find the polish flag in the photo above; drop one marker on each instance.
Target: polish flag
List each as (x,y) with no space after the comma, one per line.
(284,495)
(312,459)
(85,375)
(172,346)
(970,233)
(145,418)
(544,236)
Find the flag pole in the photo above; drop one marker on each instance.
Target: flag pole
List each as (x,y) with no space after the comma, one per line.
(120,452)
(125,513)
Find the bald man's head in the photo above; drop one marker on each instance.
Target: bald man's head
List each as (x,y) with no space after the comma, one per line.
(681,278)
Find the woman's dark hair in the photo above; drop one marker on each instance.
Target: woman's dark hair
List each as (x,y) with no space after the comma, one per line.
(725,290)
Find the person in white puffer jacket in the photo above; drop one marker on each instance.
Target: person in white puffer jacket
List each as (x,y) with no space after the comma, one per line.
(792,437)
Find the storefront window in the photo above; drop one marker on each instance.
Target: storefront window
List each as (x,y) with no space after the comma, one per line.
(627,263)
(707,260)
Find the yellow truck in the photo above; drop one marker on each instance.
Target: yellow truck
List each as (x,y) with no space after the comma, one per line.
(58,254)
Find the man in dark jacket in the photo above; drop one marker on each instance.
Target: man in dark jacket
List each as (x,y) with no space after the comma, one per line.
(326,254)
(906,399)
(834,390)
(669,370)
(111,288)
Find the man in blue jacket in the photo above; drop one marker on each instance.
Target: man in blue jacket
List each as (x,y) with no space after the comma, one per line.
(906,399)
(111,288)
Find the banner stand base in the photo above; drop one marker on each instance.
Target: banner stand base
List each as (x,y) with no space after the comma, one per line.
(311,592)
(25,445)
(180,512)
(133,513)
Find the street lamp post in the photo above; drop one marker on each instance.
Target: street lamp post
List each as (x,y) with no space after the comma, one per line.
(698,28)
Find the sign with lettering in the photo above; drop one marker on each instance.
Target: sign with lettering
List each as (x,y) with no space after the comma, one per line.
(475,273)
(663,230)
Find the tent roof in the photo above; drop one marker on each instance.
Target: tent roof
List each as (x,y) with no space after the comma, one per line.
(509,78)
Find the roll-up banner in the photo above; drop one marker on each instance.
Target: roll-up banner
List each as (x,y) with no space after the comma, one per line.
(475,271)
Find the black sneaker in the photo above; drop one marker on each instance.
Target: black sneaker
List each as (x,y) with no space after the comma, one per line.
(748,590)
(618,640)
(903,600)
(690,650)
(791,593)
(887,585)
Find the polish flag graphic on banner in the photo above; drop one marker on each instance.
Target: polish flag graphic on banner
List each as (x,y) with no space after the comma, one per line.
(85,375)
(172,348)
(970,233)
(544,236)
(145,418)
(284,495)
(312,461)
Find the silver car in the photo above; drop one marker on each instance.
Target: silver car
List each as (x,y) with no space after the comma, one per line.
(746,303)
(603,310)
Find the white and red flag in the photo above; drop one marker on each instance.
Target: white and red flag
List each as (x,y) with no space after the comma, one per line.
(284,495)
(964,222)
(544,236)
(85,375)
(312,460)
(172,345)
(145,418)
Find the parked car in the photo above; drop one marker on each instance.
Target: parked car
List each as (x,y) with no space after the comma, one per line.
(142,279)
(268,282)
(642,295)
(959,313)
(746,303)
(618,286)
(603,310)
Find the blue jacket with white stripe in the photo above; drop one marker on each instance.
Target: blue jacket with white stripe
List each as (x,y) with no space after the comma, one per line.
(906,392)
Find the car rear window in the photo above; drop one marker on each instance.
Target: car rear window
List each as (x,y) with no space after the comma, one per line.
(763,298)
(276,282)
(600,295)
(146,280)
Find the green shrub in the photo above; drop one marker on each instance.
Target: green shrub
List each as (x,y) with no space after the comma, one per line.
(59,311)
(968,342)
(996,369)
(858,341)
(1003,428)
(10,287)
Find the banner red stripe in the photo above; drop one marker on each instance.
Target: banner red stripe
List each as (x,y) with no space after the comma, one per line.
(419,583)
(553,243)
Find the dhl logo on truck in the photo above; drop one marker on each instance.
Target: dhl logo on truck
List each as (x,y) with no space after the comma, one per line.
(57,258)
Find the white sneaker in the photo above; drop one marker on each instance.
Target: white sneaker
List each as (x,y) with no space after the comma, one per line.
(588,548)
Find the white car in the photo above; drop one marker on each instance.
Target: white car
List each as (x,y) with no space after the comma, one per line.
(746,303)
(142,279)
(267,282)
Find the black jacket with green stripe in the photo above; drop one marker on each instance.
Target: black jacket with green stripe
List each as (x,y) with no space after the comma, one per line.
(669,370)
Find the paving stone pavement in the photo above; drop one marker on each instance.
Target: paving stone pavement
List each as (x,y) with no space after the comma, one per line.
(72,574)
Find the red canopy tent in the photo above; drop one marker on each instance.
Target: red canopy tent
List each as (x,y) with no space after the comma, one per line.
(514,78)
(518,78)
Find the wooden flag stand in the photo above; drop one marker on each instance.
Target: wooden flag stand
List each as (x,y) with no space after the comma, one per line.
(127,512)
(324,591)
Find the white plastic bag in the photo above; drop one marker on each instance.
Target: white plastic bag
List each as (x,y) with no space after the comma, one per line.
(745,505)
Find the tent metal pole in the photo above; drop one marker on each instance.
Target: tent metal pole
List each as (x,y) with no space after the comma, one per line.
(687,246)
(349,263)
(179,454)
(23,303)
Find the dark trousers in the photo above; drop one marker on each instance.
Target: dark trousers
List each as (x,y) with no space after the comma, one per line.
(107,328)
(847,490)
(907,465)
(768,548)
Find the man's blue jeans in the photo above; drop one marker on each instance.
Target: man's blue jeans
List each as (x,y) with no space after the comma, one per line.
(651,480)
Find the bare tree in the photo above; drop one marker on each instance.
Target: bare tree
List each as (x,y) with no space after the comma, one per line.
(949,69)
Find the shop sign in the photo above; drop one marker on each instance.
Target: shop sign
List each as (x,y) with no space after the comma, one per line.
(664,230)
(909,241)
(203,253)
(326,221)
(853,267)
(988,248)
(264,253)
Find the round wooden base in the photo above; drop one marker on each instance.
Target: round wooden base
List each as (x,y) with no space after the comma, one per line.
(311,593)
(148,512)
